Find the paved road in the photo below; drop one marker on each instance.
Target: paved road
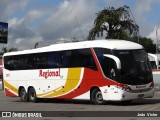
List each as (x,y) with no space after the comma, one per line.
(14,104)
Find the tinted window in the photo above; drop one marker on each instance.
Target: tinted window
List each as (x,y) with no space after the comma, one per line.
(61,59)
(135,67)
(100,51)
(57,60)
(17,62)
(38,61)
(107,64)
(109,68)
(81,58)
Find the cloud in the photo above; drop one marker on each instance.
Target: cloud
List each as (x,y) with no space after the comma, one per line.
(113,3)
(66,18)
(8,7)
(14,22)
(22,34)
(143,11)
(155,33)
(22,43)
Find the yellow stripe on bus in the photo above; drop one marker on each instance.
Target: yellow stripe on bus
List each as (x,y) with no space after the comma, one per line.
(71,82)
(43,94)
(10,87)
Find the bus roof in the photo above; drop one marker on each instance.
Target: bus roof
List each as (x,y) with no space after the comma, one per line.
(109,43)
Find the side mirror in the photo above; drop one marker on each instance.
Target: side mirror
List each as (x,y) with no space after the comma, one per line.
(116,59)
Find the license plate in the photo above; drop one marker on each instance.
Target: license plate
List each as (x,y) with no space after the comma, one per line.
(140,95)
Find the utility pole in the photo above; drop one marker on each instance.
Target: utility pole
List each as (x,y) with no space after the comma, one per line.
(157,41)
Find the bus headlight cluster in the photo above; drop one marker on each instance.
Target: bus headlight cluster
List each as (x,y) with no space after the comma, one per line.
(125,87)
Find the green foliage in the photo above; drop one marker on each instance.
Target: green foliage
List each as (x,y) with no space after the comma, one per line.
(5,50)
(120,24)
(147,43)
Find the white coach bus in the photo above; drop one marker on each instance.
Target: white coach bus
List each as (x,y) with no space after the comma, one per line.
(155,65)
(100,70)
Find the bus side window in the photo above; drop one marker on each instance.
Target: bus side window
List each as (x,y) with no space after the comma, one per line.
(19,62)
(88,60)
(56,60)
(38,61)
(8,64)
(73,58)
(80,58)
(109,68)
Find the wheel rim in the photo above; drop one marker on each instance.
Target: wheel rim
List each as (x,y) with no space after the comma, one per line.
(99,97)
(32,96)
(23,95)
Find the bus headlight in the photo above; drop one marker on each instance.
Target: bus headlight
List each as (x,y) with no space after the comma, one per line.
(125,87)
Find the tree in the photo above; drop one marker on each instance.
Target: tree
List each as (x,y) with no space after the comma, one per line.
(115,22)
(147,43)
(5,50)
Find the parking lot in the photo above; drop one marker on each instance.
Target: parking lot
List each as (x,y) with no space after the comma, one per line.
(14,104)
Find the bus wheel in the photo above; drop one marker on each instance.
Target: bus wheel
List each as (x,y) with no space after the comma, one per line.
(96,97)
(32,95)
(23,95)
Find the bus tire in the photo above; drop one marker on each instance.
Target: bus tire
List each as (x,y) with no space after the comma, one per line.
(96,97)
(32,95)
(23,95)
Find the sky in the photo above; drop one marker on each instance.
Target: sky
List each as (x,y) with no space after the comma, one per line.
(43,21)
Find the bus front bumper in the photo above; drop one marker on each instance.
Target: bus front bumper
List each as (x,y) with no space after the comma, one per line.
(115,94)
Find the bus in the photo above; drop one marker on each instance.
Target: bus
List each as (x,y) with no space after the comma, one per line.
(1,83)
(99,70)
(155,65)
(154,60)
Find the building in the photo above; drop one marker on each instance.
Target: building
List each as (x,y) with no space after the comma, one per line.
(1,74)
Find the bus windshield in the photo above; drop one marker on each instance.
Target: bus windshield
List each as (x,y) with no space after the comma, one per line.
(135,67)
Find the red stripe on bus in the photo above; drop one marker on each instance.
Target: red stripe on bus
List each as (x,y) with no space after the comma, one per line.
(155,70)
(8,93)
(91,78)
